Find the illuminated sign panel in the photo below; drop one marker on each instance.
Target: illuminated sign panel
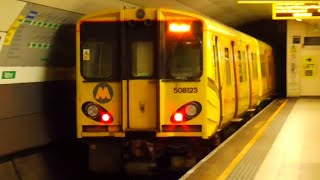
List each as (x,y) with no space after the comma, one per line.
(296,10)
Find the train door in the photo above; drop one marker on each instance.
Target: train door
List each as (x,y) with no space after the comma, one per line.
(227,81)
(244,89)
(241,83)
(253,75)
(214,81)
(268,72)
(271,85)
(236,76)
(263,64)
(140,44)
(247,59)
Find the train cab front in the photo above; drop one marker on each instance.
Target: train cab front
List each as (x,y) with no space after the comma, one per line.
(140,78)
(140,70)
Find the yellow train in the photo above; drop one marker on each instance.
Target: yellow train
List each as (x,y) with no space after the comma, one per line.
(154,82)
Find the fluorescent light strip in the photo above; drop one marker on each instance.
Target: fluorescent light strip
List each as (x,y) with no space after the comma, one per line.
(291,11)
(302,14)
(272,1)
(297,7)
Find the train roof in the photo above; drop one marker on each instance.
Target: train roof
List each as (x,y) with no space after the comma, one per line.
(219,27)
(216,26)
(211,24)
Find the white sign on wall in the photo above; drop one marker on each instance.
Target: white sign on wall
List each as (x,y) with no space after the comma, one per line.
(303,70)
(35,47)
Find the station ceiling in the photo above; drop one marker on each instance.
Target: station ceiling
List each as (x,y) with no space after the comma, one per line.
(228,12)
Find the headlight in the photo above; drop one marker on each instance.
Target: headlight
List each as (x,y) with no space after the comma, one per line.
(191,110)
(92,110)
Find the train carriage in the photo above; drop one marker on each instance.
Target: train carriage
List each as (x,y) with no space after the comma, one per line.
(153,81)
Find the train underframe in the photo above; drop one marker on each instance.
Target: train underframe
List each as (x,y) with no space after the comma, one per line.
(143,153)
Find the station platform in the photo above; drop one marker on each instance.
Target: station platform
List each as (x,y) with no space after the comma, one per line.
(280,142)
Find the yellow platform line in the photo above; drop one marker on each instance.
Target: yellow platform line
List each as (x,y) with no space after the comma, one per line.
(239,157)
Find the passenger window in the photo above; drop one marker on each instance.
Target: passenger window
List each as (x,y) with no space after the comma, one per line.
(262,65)
(227,65)
(214,62)
(254,65)
(240,67)
(226,53)
(263,69)
(142,58)
(270,65)
(244,66)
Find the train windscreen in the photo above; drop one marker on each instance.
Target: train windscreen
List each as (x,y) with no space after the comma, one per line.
(184,59)
(184,49)
(100,50)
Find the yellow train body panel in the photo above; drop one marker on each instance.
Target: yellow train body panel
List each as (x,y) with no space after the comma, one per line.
(86,94)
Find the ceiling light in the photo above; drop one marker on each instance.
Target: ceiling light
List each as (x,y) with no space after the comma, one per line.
(296,10)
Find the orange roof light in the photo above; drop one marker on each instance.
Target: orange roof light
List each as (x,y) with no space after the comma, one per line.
(176,27)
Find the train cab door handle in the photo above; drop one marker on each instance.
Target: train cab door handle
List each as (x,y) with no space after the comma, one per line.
(142,106)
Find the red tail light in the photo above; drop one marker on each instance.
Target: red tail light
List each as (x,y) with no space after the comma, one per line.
(106,117)
(178,117)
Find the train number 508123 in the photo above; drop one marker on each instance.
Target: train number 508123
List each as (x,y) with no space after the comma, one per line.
(185,90)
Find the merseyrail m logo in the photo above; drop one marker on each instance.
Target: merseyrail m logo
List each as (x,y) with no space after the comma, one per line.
(102,93)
